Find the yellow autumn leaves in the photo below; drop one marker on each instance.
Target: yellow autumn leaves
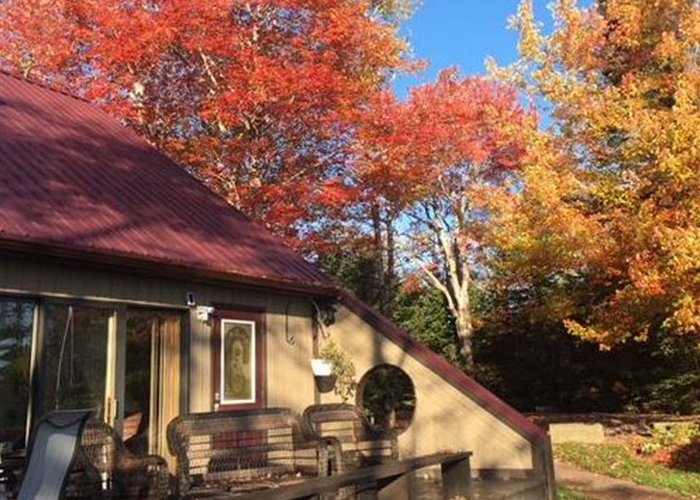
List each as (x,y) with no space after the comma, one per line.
(610,194)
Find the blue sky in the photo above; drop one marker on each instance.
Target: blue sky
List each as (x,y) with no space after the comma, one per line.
(462,33)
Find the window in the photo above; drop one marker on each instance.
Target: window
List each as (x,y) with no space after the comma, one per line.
(387,394)
(16,327)
(238,360)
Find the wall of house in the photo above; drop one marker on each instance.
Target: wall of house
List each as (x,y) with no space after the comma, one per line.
(445,417)
(290,383)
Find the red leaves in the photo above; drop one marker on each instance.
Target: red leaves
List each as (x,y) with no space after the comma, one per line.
(259,97)
(446,137)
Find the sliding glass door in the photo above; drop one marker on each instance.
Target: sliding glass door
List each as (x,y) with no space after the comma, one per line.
(151,379)
(75,364)
(121,362)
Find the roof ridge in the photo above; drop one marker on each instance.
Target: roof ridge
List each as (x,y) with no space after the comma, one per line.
(47,86)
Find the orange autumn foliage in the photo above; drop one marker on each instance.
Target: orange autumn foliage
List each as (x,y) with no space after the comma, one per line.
(609,209)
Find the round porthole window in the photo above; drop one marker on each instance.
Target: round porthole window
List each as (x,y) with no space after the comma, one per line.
(386,393)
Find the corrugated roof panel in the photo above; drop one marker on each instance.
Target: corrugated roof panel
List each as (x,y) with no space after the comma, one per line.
(73,177)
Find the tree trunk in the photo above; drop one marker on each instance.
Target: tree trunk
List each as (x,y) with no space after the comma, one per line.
(384,243)
(465,329)
(379,253)
(456,289)
(389,277)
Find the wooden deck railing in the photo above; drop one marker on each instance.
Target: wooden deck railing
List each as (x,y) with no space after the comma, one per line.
(379,481)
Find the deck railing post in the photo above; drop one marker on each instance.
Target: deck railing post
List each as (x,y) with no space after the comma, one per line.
(398,488)
(456,476)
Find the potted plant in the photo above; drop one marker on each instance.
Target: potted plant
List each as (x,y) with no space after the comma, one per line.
(334,371)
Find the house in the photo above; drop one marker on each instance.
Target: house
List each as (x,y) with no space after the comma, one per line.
(127,286)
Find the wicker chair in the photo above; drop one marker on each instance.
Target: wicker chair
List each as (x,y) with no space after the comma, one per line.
(242,451)
(103,458)
(350,436)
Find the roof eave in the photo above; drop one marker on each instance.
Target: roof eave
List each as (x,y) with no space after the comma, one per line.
(159,268)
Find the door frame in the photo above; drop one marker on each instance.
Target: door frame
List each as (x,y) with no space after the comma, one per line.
(246,315)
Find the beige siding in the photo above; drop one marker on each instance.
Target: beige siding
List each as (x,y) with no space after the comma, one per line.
(445,419)
(288,321)
(289,348)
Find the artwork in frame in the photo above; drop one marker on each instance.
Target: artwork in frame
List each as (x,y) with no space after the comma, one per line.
(237,362)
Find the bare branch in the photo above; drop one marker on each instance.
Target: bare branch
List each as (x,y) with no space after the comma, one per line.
(435,281)
(206,60)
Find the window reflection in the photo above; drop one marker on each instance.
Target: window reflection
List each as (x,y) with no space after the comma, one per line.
(16,324)
(74,357)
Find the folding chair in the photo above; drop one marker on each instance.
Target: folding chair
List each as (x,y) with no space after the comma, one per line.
(52,452)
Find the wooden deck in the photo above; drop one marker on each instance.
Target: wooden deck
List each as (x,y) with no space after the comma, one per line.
(386,481)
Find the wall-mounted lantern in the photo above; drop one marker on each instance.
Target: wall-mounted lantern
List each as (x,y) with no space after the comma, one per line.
(204,313)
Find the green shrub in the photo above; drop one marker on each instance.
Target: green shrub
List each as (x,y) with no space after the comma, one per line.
(669,435)
(678,393)
(343,369)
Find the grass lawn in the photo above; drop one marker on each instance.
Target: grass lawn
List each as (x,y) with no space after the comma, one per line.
(614,460)
(567,494)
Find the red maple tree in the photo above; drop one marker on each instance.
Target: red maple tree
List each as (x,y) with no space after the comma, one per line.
(426,163)
(259,98)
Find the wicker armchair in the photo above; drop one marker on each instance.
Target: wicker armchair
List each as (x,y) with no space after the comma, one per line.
(103,458)
(242,451)
(350,436)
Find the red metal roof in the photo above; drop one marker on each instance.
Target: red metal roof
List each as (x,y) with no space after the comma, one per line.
(73,179)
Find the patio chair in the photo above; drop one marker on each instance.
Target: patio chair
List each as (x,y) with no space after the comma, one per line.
(52,452)
(122,474)
(236,452)
(352,440)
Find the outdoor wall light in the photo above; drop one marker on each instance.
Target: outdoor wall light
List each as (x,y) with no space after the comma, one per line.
(204,313)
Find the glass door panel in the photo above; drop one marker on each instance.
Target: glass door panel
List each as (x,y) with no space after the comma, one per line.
(75,358)
(139,391)
(151,379)
(238,360)
(16,325)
